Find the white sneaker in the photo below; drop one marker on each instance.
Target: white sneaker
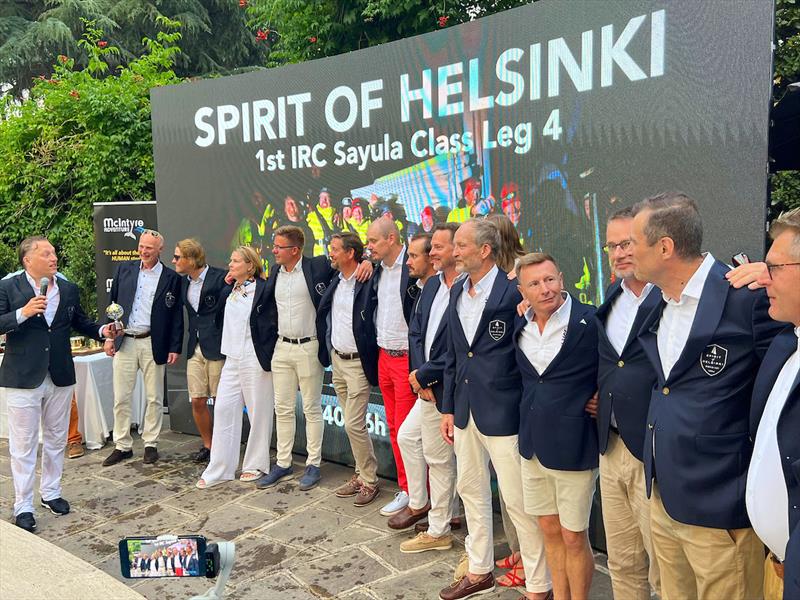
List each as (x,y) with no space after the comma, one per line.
(399,502)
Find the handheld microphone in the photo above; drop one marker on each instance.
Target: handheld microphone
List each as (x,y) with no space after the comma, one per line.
(43,286)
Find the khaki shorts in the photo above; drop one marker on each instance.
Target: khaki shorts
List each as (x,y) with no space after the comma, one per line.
(565,493)
(203,375)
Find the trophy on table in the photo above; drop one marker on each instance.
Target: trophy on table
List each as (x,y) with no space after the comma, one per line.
(115,311)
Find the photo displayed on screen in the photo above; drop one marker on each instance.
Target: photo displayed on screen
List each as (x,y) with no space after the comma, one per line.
(163,558)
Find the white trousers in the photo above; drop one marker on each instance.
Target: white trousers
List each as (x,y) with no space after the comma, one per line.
(427,456)
(134,355)
(243,383)
(474,450)
(293,366)
(49,405)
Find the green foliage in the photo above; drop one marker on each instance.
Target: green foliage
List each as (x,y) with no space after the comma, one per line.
(83,136)
(786,185)
(215,37)
(313,29)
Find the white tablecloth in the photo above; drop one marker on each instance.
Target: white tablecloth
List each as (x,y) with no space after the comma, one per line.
(94,391)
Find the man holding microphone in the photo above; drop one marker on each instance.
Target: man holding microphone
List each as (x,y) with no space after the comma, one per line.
(37,314)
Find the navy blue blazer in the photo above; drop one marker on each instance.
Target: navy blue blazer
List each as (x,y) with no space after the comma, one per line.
(624,380)
(263,328)
(554,425)
(482,378)
(204,326)
(363,325)
(697,443)
(409,290)
(34,349)
(782,347)
(430,373)
(166,316)
(318,274)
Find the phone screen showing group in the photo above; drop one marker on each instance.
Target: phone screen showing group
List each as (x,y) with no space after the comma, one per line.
(163,556)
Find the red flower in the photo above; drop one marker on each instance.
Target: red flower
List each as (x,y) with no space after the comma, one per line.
(261,35)
(62,59)
(74,94)
(443,21)
(313,39)
(242,3)
(102,44)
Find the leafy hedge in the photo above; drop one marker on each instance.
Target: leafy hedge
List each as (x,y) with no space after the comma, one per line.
(83,136)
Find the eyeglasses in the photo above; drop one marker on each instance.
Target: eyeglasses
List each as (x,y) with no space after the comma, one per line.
(610,247)
(771,268)
(277,247)
(177,256)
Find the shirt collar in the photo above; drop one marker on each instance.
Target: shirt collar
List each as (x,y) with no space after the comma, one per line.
(694,287)
(645,291)
(562,312)
(486,282)
(398,261)
(298,268)
(201,277)
(156,268)
(35,284)
(347,279)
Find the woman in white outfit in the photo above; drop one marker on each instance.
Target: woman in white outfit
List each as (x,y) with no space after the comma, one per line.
(245,380)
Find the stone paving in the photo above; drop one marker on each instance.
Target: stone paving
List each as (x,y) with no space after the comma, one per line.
(290,544)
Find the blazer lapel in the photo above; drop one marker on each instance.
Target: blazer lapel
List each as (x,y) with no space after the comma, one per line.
(307,274)
(64,300)
(425,301)
(645,308)
(495,297)
(784,344)
(454,307)
(162,284)
(403,281)
(575,330)
(257,308)
(706,319)
(614,290)
(648,336)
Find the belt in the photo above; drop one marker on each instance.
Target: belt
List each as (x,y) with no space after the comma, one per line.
(614,429)
(138,336)
(347,355)
(395,353)
(298,340)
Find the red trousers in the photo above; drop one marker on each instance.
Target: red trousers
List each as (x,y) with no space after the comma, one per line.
(398,400)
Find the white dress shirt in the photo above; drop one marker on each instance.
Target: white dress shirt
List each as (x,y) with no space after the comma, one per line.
(440,302)
(389,319)
(296,314)
(767,498)
(678,316)
(470,308)
(623,314)
(195,287)
(236,334)
(540,348)
(146,284)
(53,299)
(342,337)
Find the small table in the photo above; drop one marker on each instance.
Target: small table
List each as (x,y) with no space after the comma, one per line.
(94,392)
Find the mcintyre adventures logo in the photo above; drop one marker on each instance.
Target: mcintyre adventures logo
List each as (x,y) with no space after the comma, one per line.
(126,226)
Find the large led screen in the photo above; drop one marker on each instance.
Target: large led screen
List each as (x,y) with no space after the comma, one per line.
(556,114)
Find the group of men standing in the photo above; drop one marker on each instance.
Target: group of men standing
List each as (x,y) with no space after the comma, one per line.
(665,391)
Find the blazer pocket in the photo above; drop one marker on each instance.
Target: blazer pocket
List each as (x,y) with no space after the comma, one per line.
(726,443)
(15,349)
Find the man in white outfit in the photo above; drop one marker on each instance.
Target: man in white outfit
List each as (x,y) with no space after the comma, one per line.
(38,372)
(427,339)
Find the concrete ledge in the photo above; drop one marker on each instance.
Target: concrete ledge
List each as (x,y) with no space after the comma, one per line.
(31,567)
